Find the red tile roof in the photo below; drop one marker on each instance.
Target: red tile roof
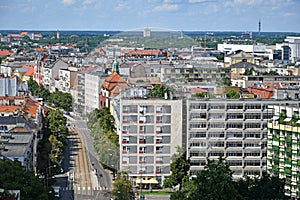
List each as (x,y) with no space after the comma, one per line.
(111,81)
(5,53)
(30,71)
(141,52)
(197,90)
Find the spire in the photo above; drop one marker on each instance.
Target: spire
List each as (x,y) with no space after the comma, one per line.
(115,66)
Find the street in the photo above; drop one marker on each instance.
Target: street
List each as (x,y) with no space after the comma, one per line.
(83,178)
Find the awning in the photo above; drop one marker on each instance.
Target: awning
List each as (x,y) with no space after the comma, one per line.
(275,117)
(146,181)
(298,122)
(288,119)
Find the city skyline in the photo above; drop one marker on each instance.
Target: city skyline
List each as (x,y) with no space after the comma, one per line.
(187,15)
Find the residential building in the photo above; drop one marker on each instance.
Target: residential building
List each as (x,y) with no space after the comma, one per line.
(79,102)
(51,73)
(20,123)
(283,148)
(235,129)
(9,86)
(149,132)
(236,57)
(203,72)
(93,81)
(18,141)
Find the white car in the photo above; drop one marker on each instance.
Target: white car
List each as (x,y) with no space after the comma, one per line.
(56,191)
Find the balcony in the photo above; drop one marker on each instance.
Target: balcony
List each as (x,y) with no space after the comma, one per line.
(158,142)
(158,172)
(142,141)
(158,132)
(159,162)
(158,152)
(124,131)
(125,141)
(141,152)
(124,162)
(142,131)
(124,152)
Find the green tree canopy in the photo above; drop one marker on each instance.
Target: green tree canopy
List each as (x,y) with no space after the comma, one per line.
(14,177)
(160,90)
(122,188)
(265,187)
(180,167)
(214,182)
(232,94)
(224,81)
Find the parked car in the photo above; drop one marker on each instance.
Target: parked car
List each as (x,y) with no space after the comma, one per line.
(56,191)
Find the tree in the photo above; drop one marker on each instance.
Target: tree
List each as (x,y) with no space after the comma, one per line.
(265,187)
(214,182)
(224,81)
(160,91)
(248,72)
(232,94)
(122,188)
(14,177)
(180,167)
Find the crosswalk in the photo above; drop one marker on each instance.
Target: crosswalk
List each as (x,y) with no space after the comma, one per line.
(83,188)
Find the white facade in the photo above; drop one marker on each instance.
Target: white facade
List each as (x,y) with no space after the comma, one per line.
(233,129)
(92,92)
(64,82)
(294,44)
(253,49)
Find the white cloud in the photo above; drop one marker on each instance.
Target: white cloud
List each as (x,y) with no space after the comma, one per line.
(199,1)
(248,2)
(288,14)
(68,2)
(166,7)
(88,1)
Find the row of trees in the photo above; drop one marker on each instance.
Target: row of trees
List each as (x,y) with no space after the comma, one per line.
(51,147)
(58,98)
(106,141)
(216,182)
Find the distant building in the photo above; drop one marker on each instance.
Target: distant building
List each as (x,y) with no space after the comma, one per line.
(246,35)
(147,32)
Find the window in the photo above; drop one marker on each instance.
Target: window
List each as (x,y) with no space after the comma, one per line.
(235,125)
(252,125)
(234,106)
(142,159)
(217,125)
(198,125)
(142,109)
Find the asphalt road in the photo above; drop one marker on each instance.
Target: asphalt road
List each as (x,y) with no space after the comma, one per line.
(83,177)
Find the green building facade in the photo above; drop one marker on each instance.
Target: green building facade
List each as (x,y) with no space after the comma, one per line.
(283,147)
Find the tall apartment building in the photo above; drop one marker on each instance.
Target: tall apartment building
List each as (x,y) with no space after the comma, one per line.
(235,129)
(149,131)
(283,148)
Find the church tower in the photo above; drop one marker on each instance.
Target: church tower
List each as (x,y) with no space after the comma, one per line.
(115,66)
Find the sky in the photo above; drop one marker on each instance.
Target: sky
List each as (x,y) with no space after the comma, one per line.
(122,15)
